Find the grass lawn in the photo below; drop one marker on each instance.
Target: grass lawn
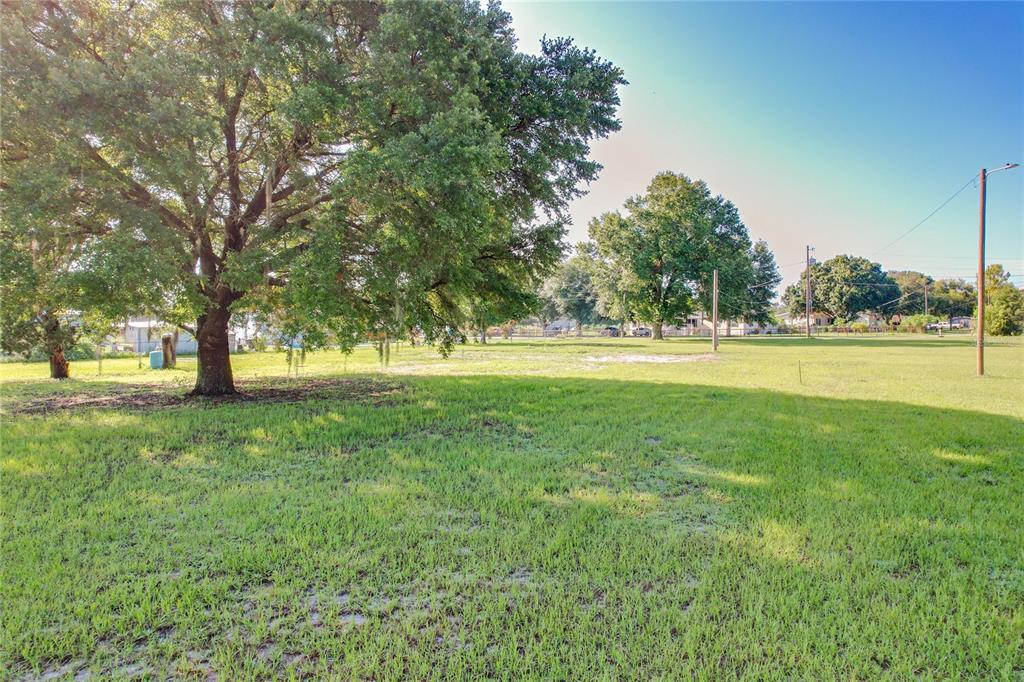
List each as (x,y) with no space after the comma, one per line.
(558,509)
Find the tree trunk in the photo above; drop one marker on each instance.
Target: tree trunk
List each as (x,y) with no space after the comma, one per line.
(55,340)
(214,359)
(59,368)
(579,328)
(167,348)
(656,326)
(483,335)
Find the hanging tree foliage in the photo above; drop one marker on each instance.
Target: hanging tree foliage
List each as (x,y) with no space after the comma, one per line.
(357,167)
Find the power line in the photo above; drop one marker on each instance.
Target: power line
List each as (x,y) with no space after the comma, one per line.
(882,305)
(769,282)
(925,219)
(992,258)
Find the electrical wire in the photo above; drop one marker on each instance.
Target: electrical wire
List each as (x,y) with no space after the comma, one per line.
(925,219)
(918,255)
(882,305)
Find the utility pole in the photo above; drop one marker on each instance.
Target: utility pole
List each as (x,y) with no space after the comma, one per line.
(981,276)
(981,264)
(807,291)
(714,312)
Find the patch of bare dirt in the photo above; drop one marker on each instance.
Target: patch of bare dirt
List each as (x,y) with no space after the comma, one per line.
(152,396)
(658,359)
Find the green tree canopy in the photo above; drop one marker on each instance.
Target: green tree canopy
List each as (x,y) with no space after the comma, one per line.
(37,312)
(52,289)
(912,286)
(1004,311)
(572,289)
(358,167)
(844,286)
(953,298)
(757,305)
(667,245)
(611,283)
(996,275)
(1004,303)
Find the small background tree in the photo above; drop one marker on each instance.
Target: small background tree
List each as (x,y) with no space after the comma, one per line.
(756,304)
(573,291)
(50,292)
(953,298)
(1004,303)
(666,246)
(912,287)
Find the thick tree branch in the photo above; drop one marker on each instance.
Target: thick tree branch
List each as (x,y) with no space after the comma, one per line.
(137,194)
(258,204)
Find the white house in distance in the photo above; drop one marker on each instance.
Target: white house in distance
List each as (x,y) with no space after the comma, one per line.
(800,321)
(700,324)
(562,325)
(143,334)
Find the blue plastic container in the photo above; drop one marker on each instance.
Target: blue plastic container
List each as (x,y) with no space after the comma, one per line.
(156,359)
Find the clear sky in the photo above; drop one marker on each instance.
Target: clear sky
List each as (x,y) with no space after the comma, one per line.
(839,125)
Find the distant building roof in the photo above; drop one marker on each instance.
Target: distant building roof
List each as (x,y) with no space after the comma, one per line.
(146,324)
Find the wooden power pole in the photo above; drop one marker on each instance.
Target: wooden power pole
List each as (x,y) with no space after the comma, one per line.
(981,264)
(807,291)
(981,277)
(714,311)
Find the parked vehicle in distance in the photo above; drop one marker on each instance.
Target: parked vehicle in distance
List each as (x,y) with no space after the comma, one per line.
(641,331)
(610,331)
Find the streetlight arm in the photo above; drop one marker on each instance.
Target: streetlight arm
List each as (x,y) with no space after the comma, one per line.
(1007,166)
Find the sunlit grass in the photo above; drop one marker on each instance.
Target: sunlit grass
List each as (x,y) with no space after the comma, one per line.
(521,510)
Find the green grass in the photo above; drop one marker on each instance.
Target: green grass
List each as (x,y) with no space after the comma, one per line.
(547,509)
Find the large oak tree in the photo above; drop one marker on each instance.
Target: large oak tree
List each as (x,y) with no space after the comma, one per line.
(354,166)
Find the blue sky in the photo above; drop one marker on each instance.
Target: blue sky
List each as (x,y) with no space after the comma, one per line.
(840,125)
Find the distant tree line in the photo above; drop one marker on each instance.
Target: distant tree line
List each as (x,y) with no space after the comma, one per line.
(845,286)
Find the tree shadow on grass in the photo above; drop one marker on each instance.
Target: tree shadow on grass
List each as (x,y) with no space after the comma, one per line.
(682,527)
(139,396)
